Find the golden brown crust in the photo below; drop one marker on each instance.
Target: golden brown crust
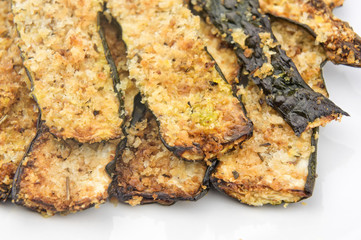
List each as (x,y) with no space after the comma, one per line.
(178,78)
(334,3)
(70,74)
(272,166)
(59,176)
(9,60)
(342,44)
(147,171)
(19,116)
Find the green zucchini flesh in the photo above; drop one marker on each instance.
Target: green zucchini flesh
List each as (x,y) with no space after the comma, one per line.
(147,172)
(73,78)
(198,115)
(342,44)
(249,32)
(273,166)
(18,112)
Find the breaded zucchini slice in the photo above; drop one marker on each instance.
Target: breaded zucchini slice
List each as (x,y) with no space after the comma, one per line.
(112,32)
(63,176)
(146,171)
(275,166)
(19,113)
(249,32)
(342,44)
(73,78)
(197,114)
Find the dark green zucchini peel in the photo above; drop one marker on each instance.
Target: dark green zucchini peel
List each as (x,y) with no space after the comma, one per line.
(249,32)
(274,166)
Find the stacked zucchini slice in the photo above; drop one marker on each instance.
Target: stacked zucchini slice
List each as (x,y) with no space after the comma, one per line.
(18,112)
(77,88)
(144,101)
(179,80)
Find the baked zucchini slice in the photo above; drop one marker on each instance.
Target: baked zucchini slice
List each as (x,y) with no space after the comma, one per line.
(73,78)
(147,172)
(198,115)
(249,32)
(245,28)
(111,30)
(275,166)
(18,112)
(63,176)
(342,44)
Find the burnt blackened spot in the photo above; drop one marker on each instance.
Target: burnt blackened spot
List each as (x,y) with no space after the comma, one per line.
(96,112)
(260,157)
(213,83)
(190,105)
(224,45)
(235,174)
(21,130)
(166,176)
(95,48)
(321,85)
(265,145)
(209,64)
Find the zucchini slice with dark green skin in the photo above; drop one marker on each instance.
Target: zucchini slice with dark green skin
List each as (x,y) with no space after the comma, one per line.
(342,44)
(18,112)
(72,174)
(117,50)
(73,78)
(147,172)
(249,32)
(274,166)
(197,113)
(63,176)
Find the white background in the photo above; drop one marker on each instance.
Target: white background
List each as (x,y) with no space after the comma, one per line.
(333,212)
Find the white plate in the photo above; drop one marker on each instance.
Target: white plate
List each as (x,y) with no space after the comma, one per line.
(333,212)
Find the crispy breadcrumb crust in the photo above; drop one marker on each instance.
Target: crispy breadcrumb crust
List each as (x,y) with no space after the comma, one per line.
(71,77)
(273,166)
(334,3)
(197,113)
(18,116)
(146,171)
(10,60)
(342,44)
(59,176)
